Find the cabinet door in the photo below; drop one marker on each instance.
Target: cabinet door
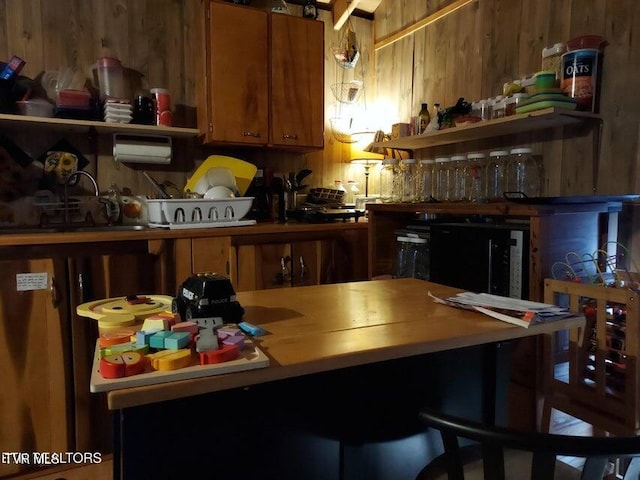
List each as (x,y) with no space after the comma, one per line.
(236,86)
(297,81)
(35,412)
(211,255)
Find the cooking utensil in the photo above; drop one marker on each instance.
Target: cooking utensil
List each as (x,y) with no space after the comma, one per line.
(156,186)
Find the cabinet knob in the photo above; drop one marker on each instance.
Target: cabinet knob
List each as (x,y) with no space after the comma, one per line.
(289,136)
(251,134)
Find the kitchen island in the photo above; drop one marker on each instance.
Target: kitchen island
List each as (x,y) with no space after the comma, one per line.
(349,366)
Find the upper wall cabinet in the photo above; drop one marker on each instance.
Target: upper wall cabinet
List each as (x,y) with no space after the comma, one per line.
(297,81)
(262,82)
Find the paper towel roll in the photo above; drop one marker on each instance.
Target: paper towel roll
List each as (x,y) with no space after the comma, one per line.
(154,149)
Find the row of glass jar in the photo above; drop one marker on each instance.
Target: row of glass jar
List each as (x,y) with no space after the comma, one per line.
(466,177)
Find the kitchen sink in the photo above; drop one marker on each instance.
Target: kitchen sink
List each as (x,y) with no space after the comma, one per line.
(71,228)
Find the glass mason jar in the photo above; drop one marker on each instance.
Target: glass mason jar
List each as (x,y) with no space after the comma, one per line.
(408,178)
(458,177)
(524,172)
(441,173)
(389,179)
(426,179)
(495,174)
(475,178)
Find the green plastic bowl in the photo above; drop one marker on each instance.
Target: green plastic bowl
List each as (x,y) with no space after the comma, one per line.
(545,80)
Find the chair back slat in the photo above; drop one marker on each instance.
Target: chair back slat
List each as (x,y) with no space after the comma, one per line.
(493,460)
(543,465)
(594,468)
(454,457)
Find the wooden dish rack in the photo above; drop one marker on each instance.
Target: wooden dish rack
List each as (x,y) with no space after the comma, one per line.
(603,385)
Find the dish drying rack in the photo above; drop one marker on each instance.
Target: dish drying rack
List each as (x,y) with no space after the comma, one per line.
(54,213)
(182,214)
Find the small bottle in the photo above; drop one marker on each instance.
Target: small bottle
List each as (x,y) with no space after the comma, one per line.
(351,193)
(424,118)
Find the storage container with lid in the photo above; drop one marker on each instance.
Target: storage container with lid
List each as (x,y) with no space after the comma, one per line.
(495,174)
(408,179)
(413,257)
(552,59)
(110,78)
(389,181)
(457,177)
(498,109)
(512,102)
(426,179)
(475,184)
(523,172)
(441,173)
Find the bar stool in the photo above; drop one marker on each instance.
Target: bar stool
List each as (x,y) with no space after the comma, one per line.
(499,453)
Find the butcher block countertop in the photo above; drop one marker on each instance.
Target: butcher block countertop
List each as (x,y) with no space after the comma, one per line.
(326,327)
(119,235)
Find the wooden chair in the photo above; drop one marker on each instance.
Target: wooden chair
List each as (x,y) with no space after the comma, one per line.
(499,453)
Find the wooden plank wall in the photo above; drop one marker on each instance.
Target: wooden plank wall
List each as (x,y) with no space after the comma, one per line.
(473,51)
(153,39)
(470,53)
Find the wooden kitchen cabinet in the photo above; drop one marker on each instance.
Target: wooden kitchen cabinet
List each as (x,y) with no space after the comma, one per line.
(210,254)
(35,354)
(297,81)
(277,265)
(262,78)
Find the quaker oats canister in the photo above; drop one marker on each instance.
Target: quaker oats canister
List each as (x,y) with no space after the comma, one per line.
(581,70)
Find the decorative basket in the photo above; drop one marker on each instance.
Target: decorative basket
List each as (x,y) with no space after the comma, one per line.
(347,92)
(346,58)
(341,128)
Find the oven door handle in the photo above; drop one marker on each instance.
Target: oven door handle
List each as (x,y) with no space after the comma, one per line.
(490,266)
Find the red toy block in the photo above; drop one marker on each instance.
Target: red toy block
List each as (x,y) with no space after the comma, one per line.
(223,354)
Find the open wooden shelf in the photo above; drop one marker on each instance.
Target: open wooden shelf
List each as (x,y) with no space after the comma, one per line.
(101,127)
(525,122)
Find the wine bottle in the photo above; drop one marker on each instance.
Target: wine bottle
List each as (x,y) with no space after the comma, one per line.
(423,119)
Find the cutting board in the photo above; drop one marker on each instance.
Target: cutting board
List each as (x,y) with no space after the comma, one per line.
(243,171)
(251,357)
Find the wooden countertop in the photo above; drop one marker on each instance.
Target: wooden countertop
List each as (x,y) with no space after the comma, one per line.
(104,235)
(513,208)
(327,327)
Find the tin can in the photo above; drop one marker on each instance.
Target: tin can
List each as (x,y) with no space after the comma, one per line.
(580,71)
(162,106)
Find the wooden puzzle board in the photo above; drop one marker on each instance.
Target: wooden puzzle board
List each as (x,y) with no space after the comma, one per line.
(251,357)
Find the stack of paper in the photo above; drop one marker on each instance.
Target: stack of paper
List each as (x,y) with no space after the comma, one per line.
(512,310)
